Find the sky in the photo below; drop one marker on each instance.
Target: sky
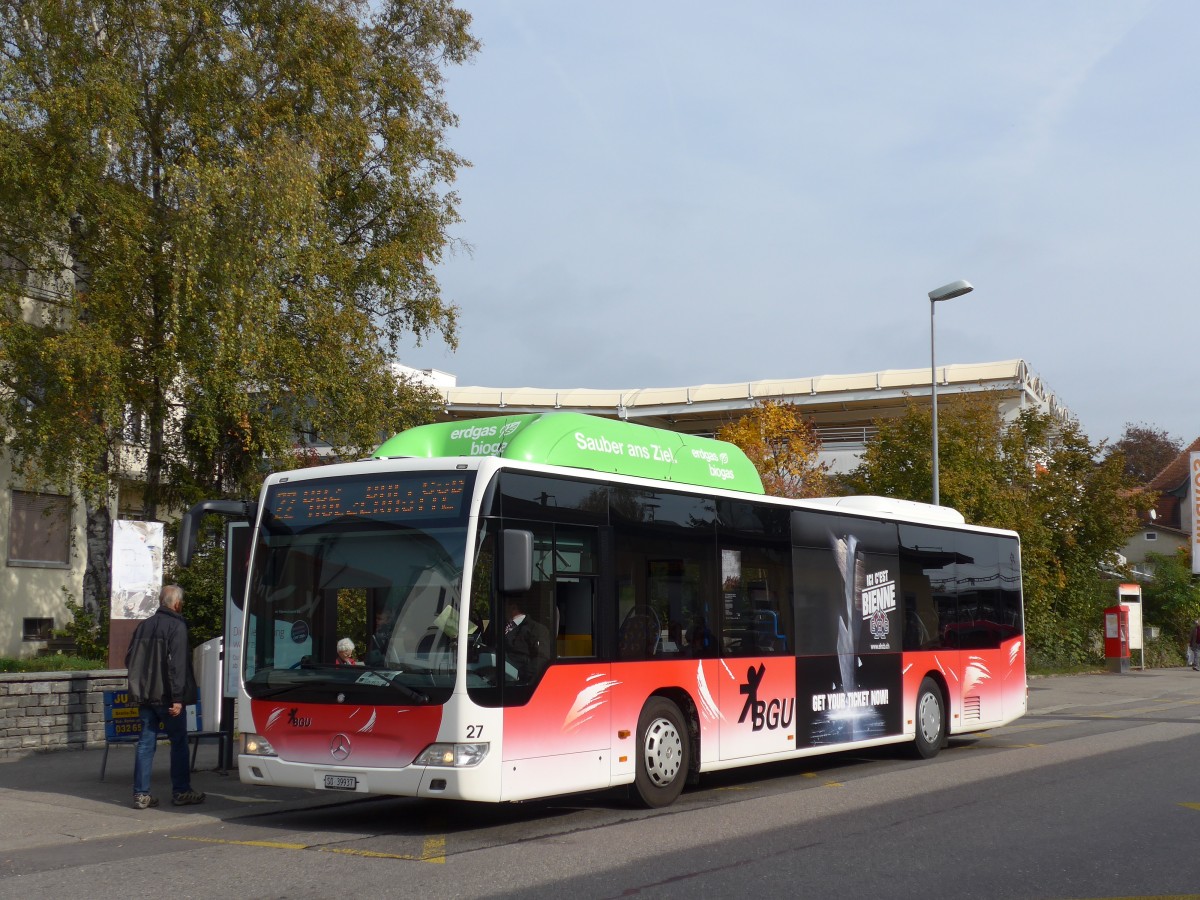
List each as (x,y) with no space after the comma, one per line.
(675,192)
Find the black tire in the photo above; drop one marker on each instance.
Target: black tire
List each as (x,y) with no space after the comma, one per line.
(930,720)
(663,753)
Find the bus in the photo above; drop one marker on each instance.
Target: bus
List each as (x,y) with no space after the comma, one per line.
(551,603)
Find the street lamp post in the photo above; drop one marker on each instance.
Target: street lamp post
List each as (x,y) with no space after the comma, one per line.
(945,292)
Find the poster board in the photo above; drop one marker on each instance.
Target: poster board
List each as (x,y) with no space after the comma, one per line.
(137,568)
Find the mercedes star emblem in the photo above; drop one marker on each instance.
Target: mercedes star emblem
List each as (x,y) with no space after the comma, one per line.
(339,747)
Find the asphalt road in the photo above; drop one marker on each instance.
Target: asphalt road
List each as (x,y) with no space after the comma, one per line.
(1095,793)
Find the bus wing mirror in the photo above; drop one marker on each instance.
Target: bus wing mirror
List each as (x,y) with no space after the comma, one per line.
(189,525)
(517,576)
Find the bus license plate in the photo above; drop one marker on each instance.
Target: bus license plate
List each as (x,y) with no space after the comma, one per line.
(341,783)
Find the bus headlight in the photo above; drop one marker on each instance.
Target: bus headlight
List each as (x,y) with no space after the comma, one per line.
(257,745)
(456,756)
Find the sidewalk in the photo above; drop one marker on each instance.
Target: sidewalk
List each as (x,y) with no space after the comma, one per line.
(1053,694)
(52,797)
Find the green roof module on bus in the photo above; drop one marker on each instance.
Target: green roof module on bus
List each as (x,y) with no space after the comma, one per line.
(579,441)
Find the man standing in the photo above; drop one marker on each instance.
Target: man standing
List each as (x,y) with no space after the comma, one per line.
(1194,646)
(162,683)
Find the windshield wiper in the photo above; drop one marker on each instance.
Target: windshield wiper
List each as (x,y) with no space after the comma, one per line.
(275,692)
(414,695)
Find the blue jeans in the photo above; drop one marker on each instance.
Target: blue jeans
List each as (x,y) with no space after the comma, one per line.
(175,728)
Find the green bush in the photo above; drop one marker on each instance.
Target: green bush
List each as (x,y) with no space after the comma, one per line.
(1163,652)
(1040,664)
(89,631)
(1172,598)
(1064,661)
(57,663)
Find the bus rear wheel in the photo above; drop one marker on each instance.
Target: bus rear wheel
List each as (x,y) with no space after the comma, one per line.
(663,753)
(930,721)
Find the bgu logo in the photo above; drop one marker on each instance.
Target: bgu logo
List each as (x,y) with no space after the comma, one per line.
(297,721)
(770,714)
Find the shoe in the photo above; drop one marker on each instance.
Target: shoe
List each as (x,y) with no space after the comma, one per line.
(187,798)
(144,801)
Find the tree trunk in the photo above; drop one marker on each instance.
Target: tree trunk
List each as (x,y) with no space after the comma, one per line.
(97,576)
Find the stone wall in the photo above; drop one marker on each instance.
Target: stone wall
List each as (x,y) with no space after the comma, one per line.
(54,710)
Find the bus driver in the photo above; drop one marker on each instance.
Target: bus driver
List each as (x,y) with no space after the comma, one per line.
(526,642)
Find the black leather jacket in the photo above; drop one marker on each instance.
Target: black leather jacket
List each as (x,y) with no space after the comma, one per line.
(159,664)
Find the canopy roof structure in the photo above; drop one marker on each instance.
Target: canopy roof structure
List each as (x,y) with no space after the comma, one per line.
(842,407)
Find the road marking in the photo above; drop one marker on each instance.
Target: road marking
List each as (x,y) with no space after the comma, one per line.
(436,854)
(1195,806)
(827,784)
(273,845)
(434,850)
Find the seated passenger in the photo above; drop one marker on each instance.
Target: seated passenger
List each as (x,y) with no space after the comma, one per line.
(345,653)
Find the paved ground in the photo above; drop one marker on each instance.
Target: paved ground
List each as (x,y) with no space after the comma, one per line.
(53,798)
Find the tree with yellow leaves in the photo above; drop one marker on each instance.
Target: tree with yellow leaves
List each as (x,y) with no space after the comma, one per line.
(783,446)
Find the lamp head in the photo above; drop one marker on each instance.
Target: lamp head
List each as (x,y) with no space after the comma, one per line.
(950,291)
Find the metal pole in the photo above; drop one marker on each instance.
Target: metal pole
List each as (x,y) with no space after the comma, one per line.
(933,401)
(945,292)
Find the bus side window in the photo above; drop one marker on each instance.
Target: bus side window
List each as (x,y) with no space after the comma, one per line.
(926,589)
(575,616)
(756,580)
(639,634)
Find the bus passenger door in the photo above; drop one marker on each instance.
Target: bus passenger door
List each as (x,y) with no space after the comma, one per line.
(557,730)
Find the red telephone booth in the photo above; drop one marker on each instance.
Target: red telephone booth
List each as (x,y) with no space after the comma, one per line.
(1116,638)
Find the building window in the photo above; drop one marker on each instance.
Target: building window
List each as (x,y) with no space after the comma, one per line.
(1152,535)
(39,532)
(37,629)
(134,427)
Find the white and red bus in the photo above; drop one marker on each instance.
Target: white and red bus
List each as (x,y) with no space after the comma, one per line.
(673,620)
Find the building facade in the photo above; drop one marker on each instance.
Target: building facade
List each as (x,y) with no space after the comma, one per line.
(1171,526)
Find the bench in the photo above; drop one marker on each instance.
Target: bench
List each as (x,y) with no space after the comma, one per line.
(123,725)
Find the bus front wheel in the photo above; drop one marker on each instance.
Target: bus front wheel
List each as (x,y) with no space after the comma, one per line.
(931,720)
(662,753)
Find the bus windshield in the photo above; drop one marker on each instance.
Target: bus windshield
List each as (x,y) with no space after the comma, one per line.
(371,565)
